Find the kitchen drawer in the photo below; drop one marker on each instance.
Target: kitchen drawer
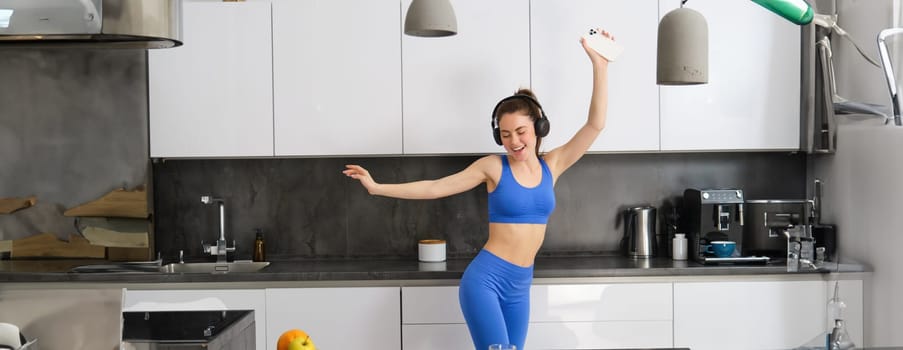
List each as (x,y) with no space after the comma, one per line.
(548,335)
(336,318)
(599,335)
(552,303)
(435,337)
(430,305)
(601,302)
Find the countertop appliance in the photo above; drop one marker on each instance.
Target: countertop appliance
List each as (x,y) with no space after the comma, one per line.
(767,219)
(639,232)
(714,215)
(143,24)
(182,330)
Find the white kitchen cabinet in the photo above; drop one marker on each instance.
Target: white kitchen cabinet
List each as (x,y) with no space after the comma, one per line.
(203,300)
(577,316)
(594,316)
(748,315)
(752,100)
(451,84)
(213,96)
(562,74)
(336,318)
(336,77)
(450,336)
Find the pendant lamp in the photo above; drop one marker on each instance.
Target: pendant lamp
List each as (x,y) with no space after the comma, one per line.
(430,18)
(683,48)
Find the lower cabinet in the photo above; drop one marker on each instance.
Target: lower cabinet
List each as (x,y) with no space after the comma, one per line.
(748,315)
(574,316)
(336,318)
(697,315)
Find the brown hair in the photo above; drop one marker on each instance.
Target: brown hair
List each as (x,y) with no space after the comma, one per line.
(521,105)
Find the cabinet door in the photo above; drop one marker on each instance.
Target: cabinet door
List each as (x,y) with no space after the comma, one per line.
(572,316)
(337,77)
(431,319)
(451,336)
(451,84)
(594,316)
(212,96)
(748,315)
(752,100)
(563,75)
(336,318)
(203,300)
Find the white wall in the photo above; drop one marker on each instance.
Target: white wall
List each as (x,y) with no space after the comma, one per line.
(863,191)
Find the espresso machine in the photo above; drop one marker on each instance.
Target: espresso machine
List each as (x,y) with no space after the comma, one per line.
(710,215)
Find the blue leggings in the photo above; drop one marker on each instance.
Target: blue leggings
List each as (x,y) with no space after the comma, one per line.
(495,299)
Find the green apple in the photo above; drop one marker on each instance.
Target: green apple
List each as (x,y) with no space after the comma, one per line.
(301,344)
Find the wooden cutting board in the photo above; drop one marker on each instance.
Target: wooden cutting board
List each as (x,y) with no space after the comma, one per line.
(118,203)
(46,245)
(10,205)
(109,238)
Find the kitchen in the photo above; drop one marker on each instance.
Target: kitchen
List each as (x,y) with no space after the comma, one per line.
(84,122)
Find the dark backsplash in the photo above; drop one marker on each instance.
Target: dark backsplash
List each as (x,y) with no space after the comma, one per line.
(308,209)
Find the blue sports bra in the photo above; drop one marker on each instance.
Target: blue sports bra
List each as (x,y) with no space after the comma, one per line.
(513,203)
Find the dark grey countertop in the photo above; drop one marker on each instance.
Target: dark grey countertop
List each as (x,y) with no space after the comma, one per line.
(364,270)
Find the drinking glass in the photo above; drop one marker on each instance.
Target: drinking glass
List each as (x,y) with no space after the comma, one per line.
(502,347)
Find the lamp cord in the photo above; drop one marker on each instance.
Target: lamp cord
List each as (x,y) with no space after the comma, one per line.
(682,2)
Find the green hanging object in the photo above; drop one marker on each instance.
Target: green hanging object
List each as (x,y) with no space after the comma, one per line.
(796,11)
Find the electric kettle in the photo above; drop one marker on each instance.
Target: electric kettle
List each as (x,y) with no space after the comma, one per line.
(639,232)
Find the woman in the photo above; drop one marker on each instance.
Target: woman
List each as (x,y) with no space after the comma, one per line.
(495,288)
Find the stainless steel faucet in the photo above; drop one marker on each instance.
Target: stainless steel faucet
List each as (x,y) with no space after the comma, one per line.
(221,247)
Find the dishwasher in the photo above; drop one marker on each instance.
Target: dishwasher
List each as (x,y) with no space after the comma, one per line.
(184,330)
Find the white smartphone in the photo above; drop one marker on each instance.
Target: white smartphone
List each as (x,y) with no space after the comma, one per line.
(604,46)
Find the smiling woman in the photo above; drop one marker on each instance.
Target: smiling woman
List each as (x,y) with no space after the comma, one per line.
(495,289)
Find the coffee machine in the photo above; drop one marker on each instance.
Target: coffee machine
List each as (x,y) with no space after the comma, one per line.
(767,220)
(709,215)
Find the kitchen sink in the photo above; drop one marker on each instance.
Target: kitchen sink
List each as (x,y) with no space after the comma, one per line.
(150,267)
(212,267)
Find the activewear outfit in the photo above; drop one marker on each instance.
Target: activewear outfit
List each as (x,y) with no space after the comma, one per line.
(495,294)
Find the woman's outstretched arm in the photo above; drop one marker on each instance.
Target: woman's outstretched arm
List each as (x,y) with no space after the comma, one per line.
(461,181)
(561,158)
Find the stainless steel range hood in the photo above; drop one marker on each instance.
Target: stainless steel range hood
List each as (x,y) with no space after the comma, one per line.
(143,24)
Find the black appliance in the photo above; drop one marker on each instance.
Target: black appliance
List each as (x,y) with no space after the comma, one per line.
(183,330)
(767,219)
(709,215)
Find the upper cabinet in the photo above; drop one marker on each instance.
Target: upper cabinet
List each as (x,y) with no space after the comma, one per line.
(563,75)
(752,100)
(264,78)
(337,77)
(451,84)
(213,96)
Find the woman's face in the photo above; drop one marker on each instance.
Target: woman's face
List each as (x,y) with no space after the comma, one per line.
(518,136)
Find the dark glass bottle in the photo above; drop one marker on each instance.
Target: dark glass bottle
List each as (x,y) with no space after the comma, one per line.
(259,247)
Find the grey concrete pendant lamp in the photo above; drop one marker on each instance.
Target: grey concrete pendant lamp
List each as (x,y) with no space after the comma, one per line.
(430,18)
(683,48)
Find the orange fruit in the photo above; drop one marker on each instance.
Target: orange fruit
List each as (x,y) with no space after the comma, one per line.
(286,338)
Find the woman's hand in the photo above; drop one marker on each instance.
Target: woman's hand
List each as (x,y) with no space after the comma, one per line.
(594,56)
(359,173)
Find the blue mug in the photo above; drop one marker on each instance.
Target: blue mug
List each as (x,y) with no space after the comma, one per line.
(721,249)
